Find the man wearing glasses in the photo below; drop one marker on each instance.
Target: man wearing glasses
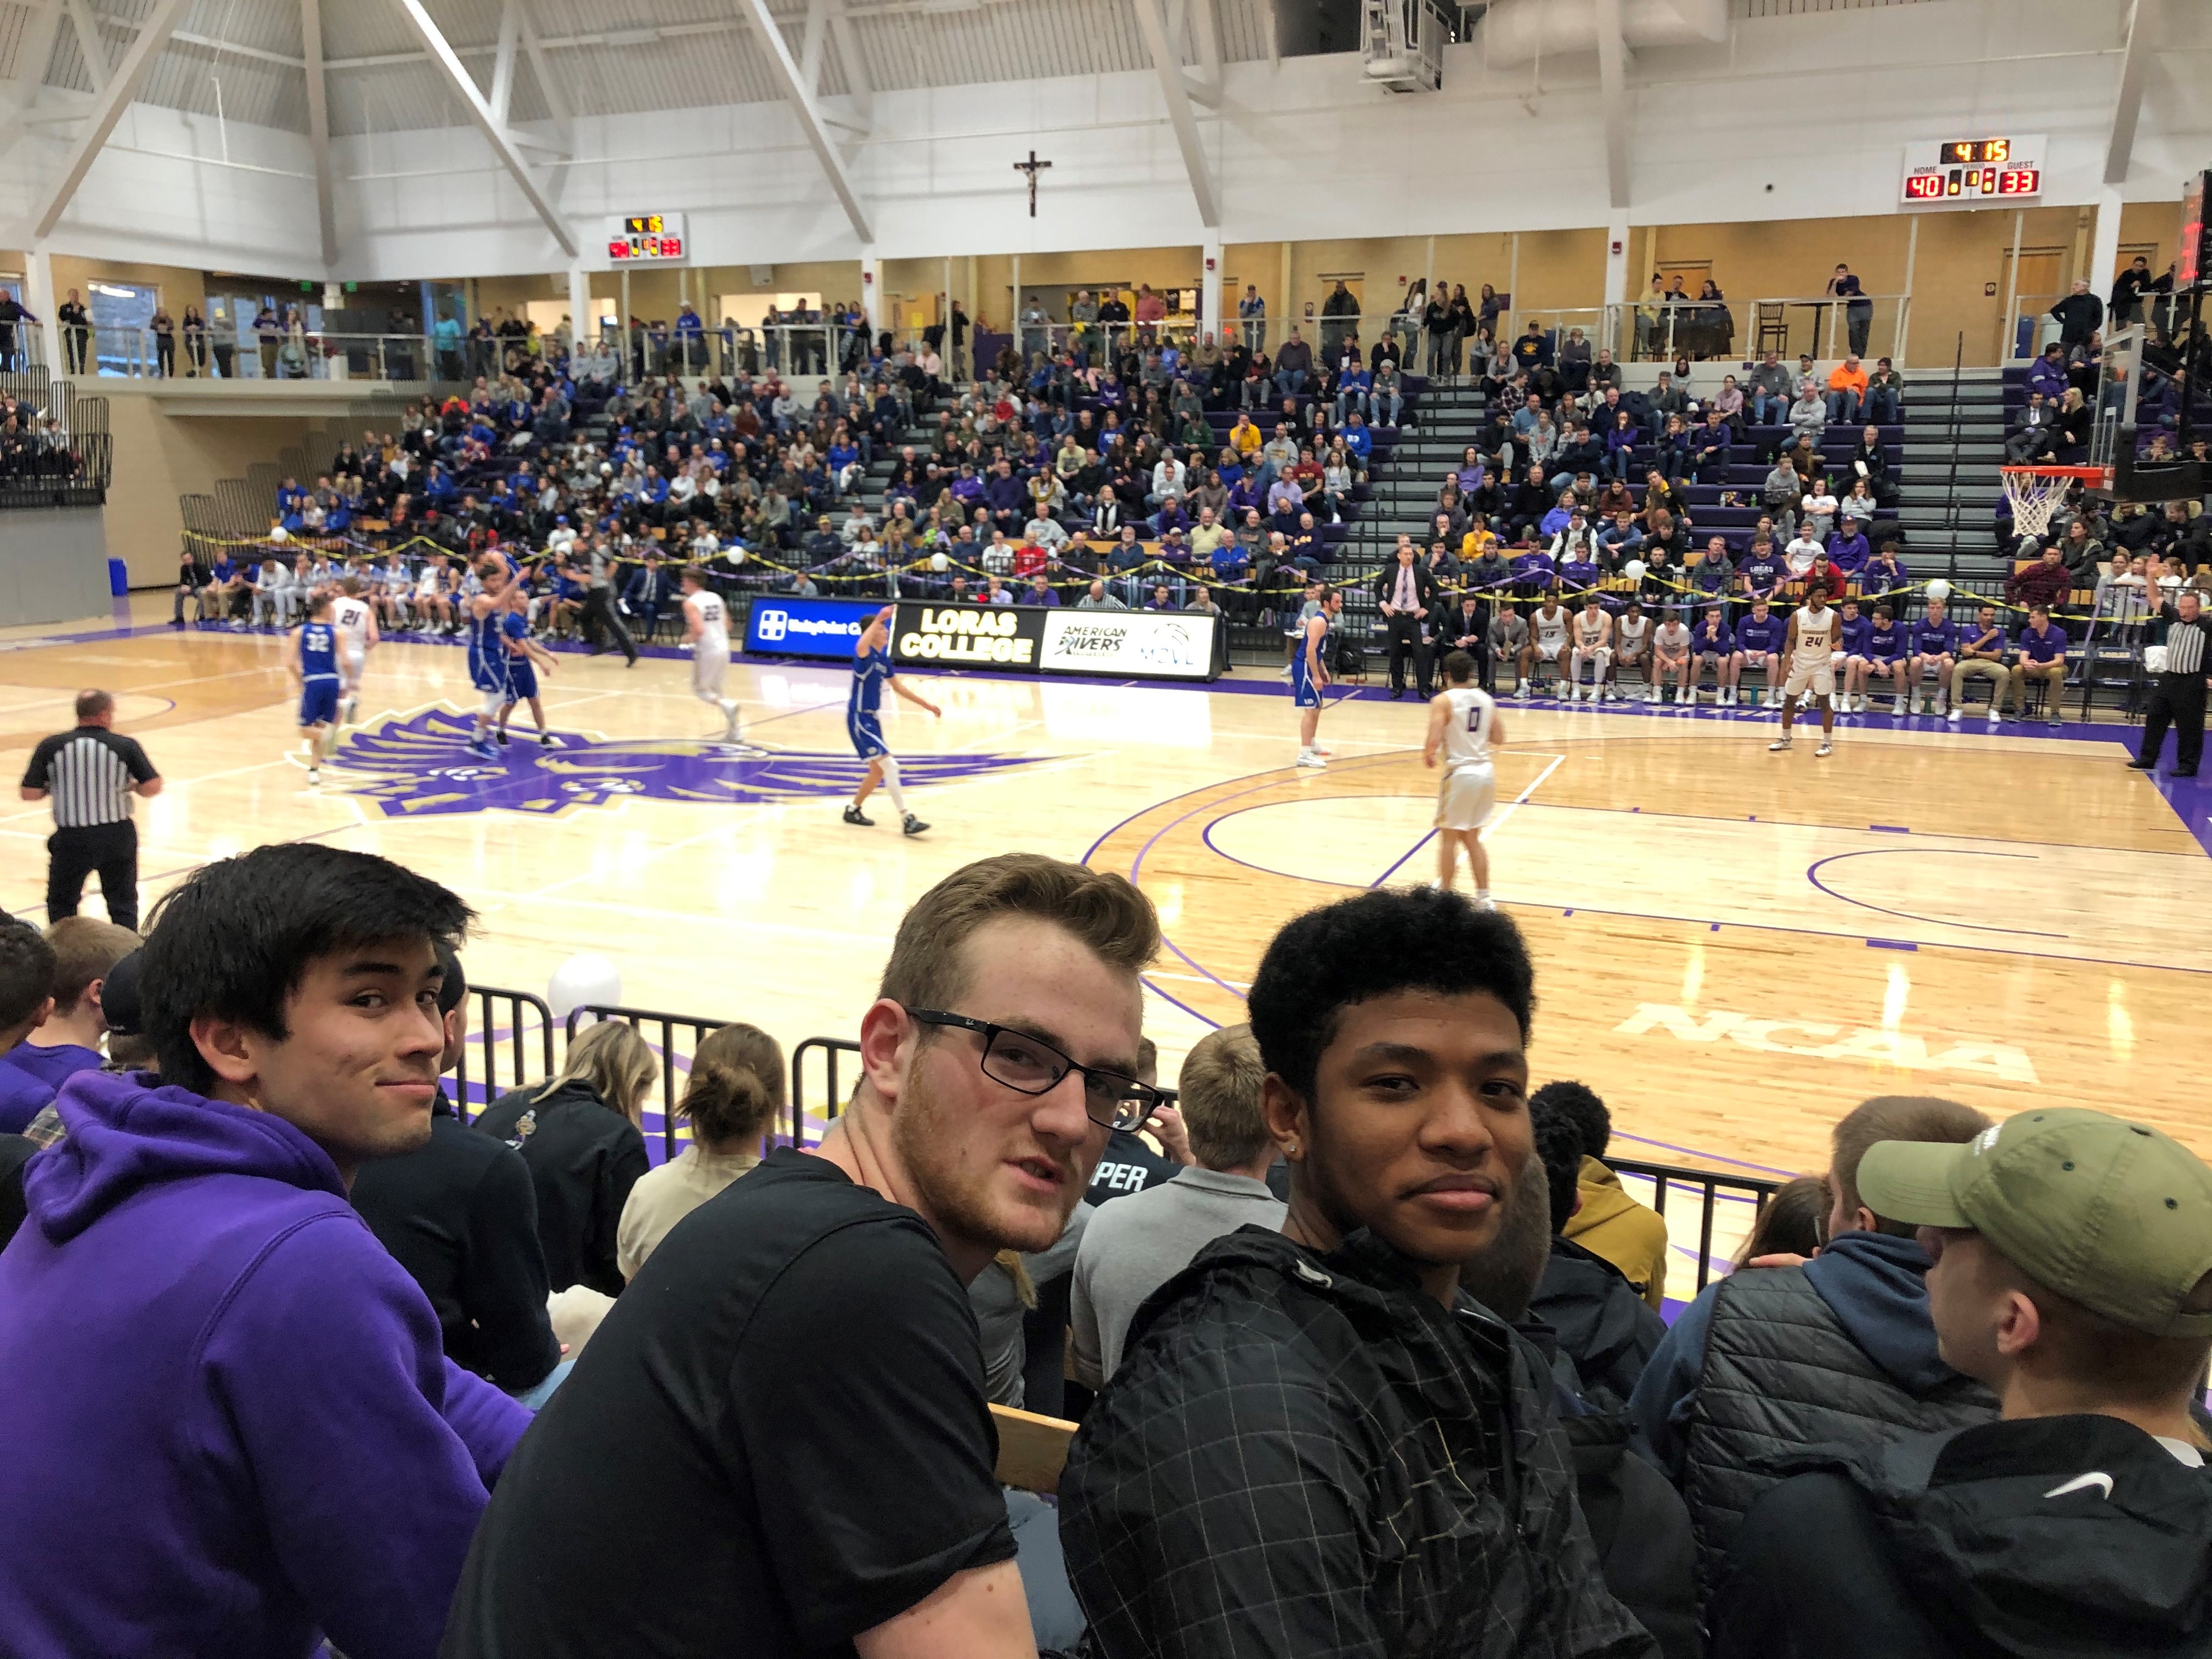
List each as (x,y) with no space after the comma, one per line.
(778,1443)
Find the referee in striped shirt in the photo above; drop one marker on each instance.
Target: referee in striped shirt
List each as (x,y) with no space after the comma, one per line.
(91,774)
(2178,699)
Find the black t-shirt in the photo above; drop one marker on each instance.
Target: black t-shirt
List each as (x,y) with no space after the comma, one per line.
(460,1215)
(584,1158)
(1128,1166)
(777,1440)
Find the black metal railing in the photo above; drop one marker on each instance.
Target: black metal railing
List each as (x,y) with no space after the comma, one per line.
(513,1025)
(673,1059)
(833,1097)
(1708,1190)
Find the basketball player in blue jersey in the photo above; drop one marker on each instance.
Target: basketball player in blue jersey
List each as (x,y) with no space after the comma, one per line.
(486,610)
(872,672)
(525,657)
(310,659)
(1309,677)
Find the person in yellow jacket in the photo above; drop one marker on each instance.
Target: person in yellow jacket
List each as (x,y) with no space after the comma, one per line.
(1607,1221)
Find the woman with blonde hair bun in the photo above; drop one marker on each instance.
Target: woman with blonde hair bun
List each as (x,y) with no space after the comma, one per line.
(733,1101)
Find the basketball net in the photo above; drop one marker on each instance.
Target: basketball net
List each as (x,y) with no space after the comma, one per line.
(2035,495)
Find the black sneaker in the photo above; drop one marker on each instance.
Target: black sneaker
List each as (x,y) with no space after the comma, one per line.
(914,826)
(545,740)
(2184,771)
(502,739)
(855,814)
(2142,766)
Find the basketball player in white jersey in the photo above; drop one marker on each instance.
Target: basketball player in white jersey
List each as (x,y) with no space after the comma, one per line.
(707,631)
(1670,658)
(1592,637)
(1463,727)
(1547,642)
(355,619)
(1810,654)
(1632,649)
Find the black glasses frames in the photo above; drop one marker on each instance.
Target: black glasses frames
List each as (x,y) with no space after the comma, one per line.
(1030,1065)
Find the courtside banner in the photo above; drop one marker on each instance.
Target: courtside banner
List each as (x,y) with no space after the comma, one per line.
(967,636)
(1142,644)
(779,627)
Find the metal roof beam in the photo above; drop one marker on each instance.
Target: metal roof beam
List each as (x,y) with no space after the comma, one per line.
(1175,88)
(494,131)
(319,129)
(858,89)
(800,96)
(503,66)
(2127,109)
(1613,90)
(90,43)
(106,110)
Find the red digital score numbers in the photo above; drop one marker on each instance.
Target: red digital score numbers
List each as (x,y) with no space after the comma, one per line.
(1950,184)
(645,248)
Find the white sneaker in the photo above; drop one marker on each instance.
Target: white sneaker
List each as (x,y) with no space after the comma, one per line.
(1307,757)
(1779,744)
(1942,704)
(1825,750)
(1898,709)
(1994,716)
(1956,715)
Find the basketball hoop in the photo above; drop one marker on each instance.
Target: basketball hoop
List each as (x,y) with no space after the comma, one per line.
(2037,492)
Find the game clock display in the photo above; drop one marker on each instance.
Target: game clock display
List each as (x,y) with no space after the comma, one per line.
(1962,172)
(647,236)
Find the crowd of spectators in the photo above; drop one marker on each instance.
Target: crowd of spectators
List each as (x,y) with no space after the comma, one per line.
(1368,1348)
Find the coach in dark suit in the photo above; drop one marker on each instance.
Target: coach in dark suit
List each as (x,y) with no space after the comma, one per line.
(2178,699)
(1407,594)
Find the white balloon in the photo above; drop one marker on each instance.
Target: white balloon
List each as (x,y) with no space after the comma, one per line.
(1633,570)
(280,534)
(581,981)
(1939,589)
(938,562)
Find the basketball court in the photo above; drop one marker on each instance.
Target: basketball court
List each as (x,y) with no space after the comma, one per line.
(1732,946)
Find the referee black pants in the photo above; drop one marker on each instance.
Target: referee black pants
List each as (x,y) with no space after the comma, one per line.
(112,849)
(2177,700)
(600,614)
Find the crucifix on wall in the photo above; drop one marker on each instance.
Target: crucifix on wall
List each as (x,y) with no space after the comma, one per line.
(1032,167)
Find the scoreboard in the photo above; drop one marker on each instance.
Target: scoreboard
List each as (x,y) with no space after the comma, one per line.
(643,237)
(1972,172)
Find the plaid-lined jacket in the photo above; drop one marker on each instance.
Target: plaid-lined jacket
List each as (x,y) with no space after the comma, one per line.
(1303,1456)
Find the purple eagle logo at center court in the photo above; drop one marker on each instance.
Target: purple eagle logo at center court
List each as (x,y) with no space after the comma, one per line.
(422,768)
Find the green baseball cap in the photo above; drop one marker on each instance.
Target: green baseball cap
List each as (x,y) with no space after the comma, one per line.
(2113,1214)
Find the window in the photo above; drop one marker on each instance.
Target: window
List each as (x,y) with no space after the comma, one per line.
(120,312)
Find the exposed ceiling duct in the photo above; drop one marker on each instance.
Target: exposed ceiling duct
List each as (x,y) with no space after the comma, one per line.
(1520,31)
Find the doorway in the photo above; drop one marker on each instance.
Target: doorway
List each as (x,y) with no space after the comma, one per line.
(2033,279)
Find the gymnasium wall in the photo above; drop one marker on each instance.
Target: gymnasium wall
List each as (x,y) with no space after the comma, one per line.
(160,457)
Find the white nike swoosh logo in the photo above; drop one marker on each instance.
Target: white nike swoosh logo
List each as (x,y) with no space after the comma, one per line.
(2097,1479)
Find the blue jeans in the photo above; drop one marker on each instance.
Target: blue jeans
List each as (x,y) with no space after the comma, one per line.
(1617,463)
(1881,405)
(1289,382)
(1356,399)
(1765,410)
(1380,402)
(1844,405)
(535,1398)
(1055,1618)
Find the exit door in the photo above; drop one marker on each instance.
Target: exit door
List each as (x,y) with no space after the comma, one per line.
(2031,279)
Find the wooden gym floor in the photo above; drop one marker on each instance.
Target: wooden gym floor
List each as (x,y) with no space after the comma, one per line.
(1732,946)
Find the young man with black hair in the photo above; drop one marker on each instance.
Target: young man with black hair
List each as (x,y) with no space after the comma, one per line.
(1601,1323)
(68,1041)
(1317,1442)
(1836,1349)
(234,1426)
(26,998)
(1604,1218)
(2072,1276)
(739,1503)
(460,1215)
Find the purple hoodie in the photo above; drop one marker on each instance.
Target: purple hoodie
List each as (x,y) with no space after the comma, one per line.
(231,1422)
(22,1096)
